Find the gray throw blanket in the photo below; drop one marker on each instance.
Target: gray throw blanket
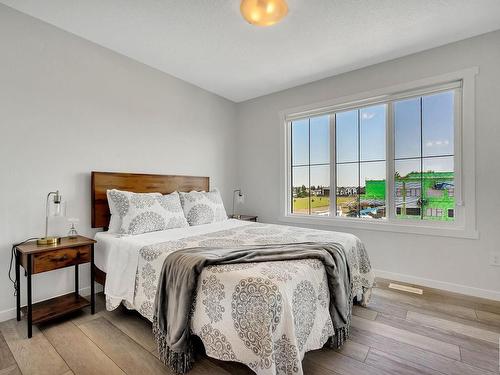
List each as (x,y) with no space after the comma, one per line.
(179,279)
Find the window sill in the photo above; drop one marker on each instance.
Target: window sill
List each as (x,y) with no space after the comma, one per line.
(428,229)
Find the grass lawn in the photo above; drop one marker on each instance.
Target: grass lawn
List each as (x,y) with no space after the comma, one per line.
(318,203)
(301,203)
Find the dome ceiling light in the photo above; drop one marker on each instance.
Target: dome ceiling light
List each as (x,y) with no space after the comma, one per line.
(263,12)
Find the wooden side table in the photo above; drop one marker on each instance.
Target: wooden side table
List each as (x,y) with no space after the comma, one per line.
(42,258)
(245,217)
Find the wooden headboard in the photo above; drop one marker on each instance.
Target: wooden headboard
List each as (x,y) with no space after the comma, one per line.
(137,183)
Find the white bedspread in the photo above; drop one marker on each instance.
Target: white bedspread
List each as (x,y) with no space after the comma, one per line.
(265,315)
(118,256)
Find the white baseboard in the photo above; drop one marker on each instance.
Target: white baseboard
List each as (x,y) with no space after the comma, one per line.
(11,313)
(436,284)
(443,285)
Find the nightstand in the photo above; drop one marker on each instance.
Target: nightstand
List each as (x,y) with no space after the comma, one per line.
(43,258)
(245,217)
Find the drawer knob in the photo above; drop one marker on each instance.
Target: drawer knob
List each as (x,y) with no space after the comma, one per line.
(64,257)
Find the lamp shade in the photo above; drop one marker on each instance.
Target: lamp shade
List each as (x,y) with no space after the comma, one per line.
(263,12)
(54,206)
(57,207)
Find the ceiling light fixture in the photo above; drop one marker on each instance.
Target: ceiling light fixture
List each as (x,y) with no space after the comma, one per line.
(263,12)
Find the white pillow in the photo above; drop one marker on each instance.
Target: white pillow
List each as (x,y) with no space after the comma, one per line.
(146,212)
(115,221)
(202,207)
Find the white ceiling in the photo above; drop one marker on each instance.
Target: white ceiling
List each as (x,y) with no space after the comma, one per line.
(207,43)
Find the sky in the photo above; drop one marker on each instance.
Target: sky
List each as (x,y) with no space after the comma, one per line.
(369,157)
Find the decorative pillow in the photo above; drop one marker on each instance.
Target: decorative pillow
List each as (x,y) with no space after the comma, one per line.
(115,221)
(202,207)
(146,212)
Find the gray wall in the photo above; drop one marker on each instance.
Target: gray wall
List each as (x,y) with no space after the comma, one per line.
(453,263)
(68,107)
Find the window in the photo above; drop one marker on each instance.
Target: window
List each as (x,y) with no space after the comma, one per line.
(360,168)
(423,155)
(310,166)
(388,160)
(436,212)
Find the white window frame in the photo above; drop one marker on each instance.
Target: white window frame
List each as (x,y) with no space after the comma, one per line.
(464,225)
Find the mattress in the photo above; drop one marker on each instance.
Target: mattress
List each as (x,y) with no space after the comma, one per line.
(112,243)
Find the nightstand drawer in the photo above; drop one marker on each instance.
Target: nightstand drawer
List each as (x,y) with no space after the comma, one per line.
(52,260)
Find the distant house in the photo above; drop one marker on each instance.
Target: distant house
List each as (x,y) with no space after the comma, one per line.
(321,191)
(428,194)
(347,191)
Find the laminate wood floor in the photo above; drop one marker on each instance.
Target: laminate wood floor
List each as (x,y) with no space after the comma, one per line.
(399,333)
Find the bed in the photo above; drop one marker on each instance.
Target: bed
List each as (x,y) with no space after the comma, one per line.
(265,315)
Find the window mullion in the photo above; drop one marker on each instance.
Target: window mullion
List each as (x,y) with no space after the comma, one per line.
(333,161)
(289,203)
(309,166)
(390,205)
(457,151)
(359,163)
(421,158)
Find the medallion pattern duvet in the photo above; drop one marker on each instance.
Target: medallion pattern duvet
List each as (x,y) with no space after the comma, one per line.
(265,315)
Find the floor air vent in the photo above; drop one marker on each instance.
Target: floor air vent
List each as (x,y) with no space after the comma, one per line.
(405,288)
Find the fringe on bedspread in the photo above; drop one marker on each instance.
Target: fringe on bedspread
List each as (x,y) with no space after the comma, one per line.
(340,337)
(179,362)
(182,362)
